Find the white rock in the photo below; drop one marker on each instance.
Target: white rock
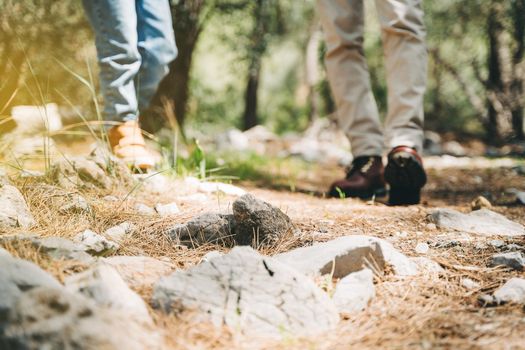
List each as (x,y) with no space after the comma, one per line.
(75,203)
(53,318)
(105,286)
(96,244)
(251,293)
(214,187)
(211,255)
(470,284)
(14,211)
(34,119)
(143,209)
(233,139)
(354,292)
(514,260)
(110,199)
(497,243)
(350,254)
(422,248)
(60,248)
(140,271)
(427,265)
(167,209)
(18,276)
(119,232)
(512,291)
(482,222)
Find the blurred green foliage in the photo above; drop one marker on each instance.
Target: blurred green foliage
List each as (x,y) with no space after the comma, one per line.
(42,31)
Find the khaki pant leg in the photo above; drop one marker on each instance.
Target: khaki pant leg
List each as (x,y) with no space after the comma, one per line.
(403,34)
(342,21)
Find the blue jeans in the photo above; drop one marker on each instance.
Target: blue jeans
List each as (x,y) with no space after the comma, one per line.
(135,44)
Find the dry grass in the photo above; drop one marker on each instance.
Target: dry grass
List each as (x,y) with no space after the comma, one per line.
(423,312)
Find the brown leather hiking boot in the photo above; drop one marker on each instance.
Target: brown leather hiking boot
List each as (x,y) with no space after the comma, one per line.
(363,180)
(128,144)
(405,175)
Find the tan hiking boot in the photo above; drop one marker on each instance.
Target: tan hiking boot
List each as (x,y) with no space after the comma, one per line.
(128,144)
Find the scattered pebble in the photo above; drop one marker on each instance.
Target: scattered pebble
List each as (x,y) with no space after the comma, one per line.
(514,260)
(470,284)
(143,209)
(480,203)
(167,209)
(422,248)
(497,243)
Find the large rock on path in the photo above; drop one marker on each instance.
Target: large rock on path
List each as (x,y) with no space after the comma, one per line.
(513,291)
(204,229)
(353,293)
(258,221)
(52,318)
(105,286)
(249,292)
(18,276)
(140,271)
(346,255)
(482,222)
(14,211)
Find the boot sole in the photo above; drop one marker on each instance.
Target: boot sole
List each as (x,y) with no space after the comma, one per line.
(406,176)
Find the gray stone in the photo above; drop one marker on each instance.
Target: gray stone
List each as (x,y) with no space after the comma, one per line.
(52,318)
(31,120)
(349,254)
(513,247)
(62,248)
(480,203)
(14,211)
(513,291)
(205,229)
(470,284)
(251,293)
(454,148)
(497,243)
(514,260)
(140,271)
(427,265)
(422,248)
(105,286)
(120,232)
(75,203)
(354,292)
(96,244)
(143,209)
(482,222)
(211,255)
(4,253)
(110,199)
(18,276)
(167,209)
(258,221)
(79,172)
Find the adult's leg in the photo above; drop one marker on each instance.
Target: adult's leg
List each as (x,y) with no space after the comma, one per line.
(156,46)
(403,33)
(115,26)
(348,74)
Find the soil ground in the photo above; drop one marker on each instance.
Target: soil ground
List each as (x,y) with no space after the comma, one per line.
(428,311)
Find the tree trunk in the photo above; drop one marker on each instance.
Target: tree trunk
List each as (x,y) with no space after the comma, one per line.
(256,50)
(250,99)
(312,71)
(172,96)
